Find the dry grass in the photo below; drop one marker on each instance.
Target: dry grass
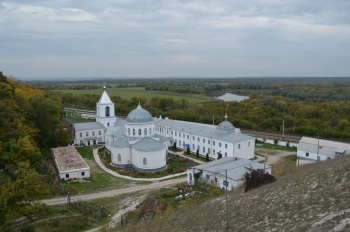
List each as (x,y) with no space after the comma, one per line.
(311,198)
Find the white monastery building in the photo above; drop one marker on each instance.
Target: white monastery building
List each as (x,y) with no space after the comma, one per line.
(311,150)
(69,163)
(142,141)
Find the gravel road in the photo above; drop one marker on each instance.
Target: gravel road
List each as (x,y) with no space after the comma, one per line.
(114,192)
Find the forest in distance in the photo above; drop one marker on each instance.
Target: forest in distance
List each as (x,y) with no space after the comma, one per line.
(308,106)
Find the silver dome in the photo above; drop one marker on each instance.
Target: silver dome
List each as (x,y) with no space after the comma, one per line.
(225,127)
(139,115)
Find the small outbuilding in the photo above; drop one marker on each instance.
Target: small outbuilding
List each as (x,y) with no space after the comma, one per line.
(69,163)
(312,150)
(226,172)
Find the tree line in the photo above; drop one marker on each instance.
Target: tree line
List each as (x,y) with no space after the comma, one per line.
(260,112)
(30,123)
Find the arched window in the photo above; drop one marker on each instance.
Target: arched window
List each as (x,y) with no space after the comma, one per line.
(145,132)
(150,131)
(107,111)
(140,132)
(239,146)
(133,131)
(107,123)
(225,154)
(128,131)
(119,158)
(192,146)
(144,161)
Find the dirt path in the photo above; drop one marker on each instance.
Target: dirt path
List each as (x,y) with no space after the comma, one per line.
(271,155)
(114,192)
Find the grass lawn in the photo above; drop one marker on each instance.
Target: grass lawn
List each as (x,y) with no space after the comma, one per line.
(99,180)
(128,93)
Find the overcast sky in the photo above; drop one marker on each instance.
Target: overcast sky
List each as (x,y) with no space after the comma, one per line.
(156,38)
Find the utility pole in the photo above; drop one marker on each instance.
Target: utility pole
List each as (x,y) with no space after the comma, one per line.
(318,145)
(226,201)
(283,130)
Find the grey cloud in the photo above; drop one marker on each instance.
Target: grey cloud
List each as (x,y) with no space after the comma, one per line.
(169,38)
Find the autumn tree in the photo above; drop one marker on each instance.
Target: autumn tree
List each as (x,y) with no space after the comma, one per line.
(16,196)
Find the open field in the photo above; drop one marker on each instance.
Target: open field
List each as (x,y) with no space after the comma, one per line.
(128,93)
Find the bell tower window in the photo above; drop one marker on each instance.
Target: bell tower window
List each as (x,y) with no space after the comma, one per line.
(107,111)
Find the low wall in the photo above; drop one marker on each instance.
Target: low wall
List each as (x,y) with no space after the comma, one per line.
(279,143)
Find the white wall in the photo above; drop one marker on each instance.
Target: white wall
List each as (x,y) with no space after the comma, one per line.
(246,149)
(155,159)
(280,143)
(75,174)
(312,156)
(100,138)
(125,153)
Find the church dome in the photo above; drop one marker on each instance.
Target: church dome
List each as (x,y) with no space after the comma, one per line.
(225,127)
(139,115)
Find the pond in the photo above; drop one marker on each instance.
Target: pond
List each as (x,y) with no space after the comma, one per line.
(227,97)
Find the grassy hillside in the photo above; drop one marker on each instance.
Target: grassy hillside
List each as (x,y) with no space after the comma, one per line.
(312,198)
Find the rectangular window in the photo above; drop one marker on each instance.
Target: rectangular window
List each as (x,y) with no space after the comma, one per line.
(248,144)
(179,134)
(183,135)
(208,141)
(307,154)
(203,149)
(239,146)
(207,177)
(188,137)
(93,133)
(83,173)
(167,131)
(99,132)
(209,151)
(213,142)
(67,175)
(203,140)
(193,138)
(225,145)
(219,144)
(198,139)
(172,132)
(81,134)
(175,133)
(87,133)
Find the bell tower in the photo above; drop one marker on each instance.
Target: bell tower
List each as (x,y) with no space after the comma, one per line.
(105,113)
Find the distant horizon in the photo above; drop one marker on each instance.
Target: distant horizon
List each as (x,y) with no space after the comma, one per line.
(58,79)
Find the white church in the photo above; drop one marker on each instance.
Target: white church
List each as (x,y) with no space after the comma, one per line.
(142,141)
